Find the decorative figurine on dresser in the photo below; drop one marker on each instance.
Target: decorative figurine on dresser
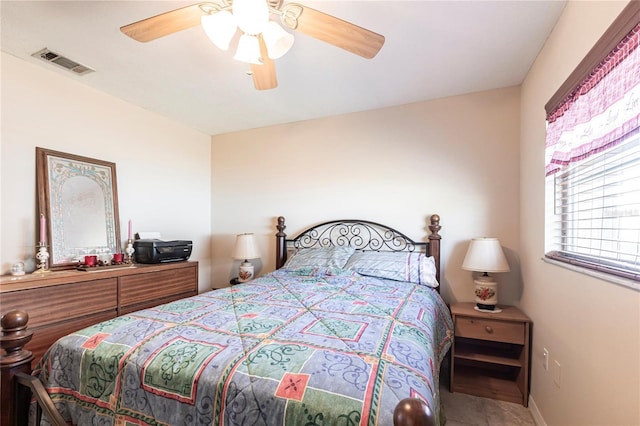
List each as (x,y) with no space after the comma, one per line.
(42,255)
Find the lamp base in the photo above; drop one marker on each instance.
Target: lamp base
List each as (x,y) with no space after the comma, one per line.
(495,310)
(484,307)
(245,272)
(486,293)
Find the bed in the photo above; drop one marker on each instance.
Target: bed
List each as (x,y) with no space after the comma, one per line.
(349,329)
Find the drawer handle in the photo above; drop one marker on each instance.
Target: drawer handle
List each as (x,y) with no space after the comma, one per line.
(488,329)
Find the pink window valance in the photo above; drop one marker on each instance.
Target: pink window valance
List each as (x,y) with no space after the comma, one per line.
(601,112)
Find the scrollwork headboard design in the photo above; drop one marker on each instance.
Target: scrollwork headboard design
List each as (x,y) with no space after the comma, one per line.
(359,234)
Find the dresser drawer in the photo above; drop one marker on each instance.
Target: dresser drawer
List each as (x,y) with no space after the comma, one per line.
(49,305)
(157,286)
(487,329)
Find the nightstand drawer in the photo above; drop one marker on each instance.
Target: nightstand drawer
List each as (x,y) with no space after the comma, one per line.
(486,329)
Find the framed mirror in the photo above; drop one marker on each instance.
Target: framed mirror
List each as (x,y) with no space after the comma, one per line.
(78,198)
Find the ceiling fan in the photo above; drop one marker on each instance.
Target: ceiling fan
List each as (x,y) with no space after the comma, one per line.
(262,39)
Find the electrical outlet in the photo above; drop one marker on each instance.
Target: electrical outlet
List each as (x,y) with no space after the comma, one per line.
(556,372)
(545,359)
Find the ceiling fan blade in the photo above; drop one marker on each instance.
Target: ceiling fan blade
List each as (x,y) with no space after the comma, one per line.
(264,75)
(165,23)
(332,30)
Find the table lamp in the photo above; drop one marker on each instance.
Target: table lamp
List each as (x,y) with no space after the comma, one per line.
(485,255)
(244,250)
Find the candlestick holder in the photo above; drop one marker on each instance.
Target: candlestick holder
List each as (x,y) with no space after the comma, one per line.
(129,250)
(43,256)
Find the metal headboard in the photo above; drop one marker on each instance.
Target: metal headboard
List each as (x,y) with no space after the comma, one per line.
(359,234)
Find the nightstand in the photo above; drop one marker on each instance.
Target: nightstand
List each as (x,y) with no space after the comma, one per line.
(490,353)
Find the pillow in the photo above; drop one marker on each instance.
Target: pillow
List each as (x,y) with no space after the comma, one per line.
(416,268)
(319,257)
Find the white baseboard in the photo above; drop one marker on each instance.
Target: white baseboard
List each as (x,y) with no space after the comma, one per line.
(537,416)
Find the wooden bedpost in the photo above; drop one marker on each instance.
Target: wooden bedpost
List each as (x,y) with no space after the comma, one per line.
(413,412)
(434,241)
(281,244)
(14,360)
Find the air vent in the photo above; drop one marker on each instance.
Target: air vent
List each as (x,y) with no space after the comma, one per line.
(66,63)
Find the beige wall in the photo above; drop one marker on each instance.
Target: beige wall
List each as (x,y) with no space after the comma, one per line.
(476,160)
(163,168)
(457,157)
(591,327)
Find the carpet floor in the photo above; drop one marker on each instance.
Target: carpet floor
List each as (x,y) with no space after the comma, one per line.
(467,410)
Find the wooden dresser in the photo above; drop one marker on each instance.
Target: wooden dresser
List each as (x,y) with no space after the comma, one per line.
(62,302)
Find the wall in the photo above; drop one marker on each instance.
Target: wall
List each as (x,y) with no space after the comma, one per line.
(591,327)
(163,168)
(457,157)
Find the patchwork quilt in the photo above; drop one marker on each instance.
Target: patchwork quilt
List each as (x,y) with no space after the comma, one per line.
(294,347)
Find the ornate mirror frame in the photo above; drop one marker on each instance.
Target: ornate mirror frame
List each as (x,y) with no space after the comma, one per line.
(78,197)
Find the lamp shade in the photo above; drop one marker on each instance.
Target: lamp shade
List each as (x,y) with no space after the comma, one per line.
(245,247)
(251,15)
(485,255)
(248,50)
(277,40)
(220,27)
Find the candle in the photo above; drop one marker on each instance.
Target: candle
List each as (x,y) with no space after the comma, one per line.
(130,229)
(43,229)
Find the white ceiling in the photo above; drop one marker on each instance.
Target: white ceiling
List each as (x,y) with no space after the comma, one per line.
(433,49)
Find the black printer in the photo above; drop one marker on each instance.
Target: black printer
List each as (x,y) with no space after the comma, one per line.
(158,251)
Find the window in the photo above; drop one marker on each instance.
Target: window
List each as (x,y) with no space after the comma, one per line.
(593,156)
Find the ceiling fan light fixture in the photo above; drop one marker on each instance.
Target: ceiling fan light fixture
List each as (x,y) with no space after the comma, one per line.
(277,40)
(220,27)
(251,15)
(248,50)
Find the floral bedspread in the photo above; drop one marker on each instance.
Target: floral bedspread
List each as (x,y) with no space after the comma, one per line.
(293,347)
